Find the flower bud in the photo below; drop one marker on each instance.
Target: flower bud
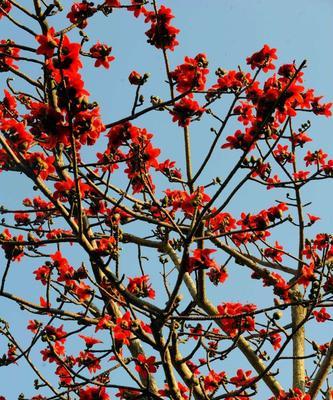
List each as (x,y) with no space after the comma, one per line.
(135,78)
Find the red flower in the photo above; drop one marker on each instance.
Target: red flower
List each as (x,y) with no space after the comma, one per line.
(19,137)
(312,218)
(12,250)
(292,394)
(201,259)
(140,287)
(64,374)
(33,326)
(55,334)
(87,359)
(102,54)
(106,246)
(233,81)
(145,365)
(122,329)
(263,59)
(316,157)
(137,8)
(301,175)
(22,218)
(44,303)
(242,378)
(79,14)
(8,55)
(87,126)
(300,139)
(166,392)
(273,337)
(66,271)
(42,274)
(42,165)
(213,380)
(321,109)
(197,199)
(244,110)
(222,222)
(307,275)
(184,110)
(68,60)
(93,393)
(90,341)
(321,315)
(6,6)
(113,3)
(82,290)
(217,275)
(65,189)
(128,394)
(240,140)
(283,155)
(274,253)
(272,182)
(103,323)
(8,106)
(48,43)
(192,74)
(196,331)
(161,34)
(238,317)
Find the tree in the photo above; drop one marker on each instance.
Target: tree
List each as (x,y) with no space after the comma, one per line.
(140,311)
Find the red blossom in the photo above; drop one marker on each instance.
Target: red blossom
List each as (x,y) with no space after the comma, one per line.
(8,55)
(217,275)
(140,287)
(192,74)
(166,391)
(213,380)
(145,365)
(161,34)
(201,260)
(137,8)
(322,315)
(13,251)
(128,394)
(34,326)
(66,189)
(93,393)
(185,110)
(292,394)
(80,12)
(88,359)
(101,52)
(242,378)
(90,341)
(103,323)
(6,6)
(312,218)
(263,59)
(274,252)
(196,332)
(301,175)
(48,43)
(237,317)
(122,329)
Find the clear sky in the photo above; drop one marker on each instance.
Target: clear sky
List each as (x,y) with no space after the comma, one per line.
(227,31)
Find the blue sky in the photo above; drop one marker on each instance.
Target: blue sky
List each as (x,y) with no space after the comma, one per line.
(227,31)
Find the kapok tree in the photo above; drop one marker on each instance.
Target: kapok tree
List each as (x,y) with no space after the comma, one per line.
(111,323)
